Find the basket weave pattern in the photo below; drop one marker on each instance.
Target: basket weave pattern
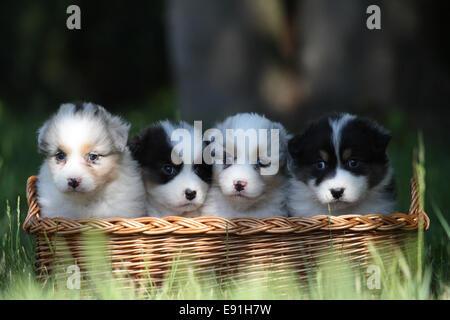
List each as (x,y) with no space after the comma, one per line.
(148,246)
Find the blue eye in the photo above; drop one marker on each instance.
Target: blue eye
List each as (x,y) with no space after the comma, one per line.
(60,156)
(168,170)
(321,165)
(352,163)
(93,156)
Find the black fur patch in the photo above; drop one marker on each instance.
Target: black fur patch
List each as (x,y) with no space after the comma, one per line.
(152,149)
(204,171)
(368,143)
(79,106)
(305,152)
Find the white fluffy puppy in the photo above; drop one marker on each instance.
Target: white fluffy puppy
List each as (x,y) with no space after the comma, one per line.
(88,170)
(250,179)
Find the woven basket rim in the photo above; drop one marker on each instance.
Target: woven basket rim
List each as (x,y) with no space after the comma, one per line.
(35,224)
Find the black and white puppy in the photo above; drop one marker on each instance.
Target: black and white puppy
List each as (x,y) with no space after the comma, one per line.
(88,170)
(245,187)
(340,166)
(174,186)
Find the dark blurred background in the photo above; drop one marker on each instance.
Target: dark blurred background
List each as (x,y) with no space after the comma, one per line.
(204,59)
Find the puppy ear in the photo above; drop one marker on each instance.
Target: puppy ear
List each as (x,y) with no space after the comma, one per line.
(136,147)
(381,140)
(119,132)
(117,128)
(43,146)
(295,145)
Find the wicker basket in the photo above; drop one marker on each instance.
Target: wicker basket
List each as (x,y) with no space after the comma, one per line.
(146,247)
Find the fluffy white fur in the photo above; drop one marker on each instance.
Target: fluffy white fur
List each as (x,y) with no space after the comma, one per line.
(110,186)
(264,195)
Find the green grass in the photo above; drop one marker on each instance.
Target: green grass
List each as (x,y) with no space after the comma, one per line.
(422,274)
(409,276)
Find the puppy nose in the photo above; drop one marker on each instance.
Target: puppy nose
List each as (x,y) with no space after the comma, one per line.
(73,182)
(190,194)
(239,185)
(337,193)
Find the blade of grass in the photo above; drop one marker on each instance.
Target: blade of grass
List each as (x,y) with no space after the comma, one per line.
(18,227)
(419,172)
(441,218)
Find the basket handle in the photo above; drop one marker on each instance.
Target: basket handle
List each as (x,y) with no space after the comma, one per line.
(33,207)
(415,207)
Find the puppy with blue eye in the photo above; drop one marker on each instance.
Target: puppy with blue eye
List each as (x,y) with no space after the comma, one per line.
(249,180)
(339,166)
(88,170)
(174,186)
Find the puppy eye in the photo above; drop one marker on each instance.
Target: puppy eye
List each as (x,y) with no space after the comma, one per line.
(320,165)
(60,156)
(168,170)
(93,156)
(262,165)
(352,163)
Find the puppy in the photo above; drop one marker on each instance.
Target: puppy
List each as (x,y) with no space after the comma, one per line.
(242,187)
(88,170)
(340,166)
(174,186)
